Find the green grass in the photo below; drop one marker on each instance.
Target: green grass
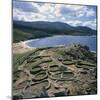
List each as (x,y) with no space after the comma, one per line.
(35,70)
(87,63)
(40,76)
(68,74)
(69,62)
(18,59)
(54,68)
(58,75)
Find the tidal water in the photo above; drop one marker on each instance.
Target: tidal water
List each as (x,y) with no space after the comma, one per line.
(63,40)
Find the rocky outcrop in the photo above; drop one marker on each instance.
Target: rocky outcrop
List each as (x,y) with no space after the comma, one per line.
(60,71)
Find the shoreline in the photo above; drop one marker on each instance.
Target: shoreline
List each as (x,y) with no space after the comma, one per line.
(21,47)
(27,41)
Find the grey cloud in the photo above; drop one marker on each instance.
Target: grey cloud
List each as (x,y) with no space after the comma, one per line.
(64,10)
(67,12)
(25,6)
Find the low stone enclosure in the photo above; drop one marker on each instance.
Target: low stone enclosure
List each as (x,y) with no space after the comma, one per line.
(53,72)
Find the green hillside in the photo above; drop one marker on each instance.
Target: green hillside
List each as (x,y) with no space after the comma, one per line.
(31,30)
(20,34)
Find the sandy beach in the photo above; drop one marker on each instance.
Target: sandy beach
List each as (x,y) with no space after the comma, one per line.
(21,47)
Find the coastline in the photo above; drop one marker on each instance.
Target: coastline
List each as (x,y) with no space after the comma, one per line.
(21,47)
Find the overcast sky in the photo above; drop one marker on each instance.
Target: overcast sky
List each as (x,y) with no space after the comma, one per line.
(75,15)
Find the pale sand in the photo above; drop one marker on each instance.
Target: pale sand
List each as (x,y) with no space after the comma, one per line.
(21,47)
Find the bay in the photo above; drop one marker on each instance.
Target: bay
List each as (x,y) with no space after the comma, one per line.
(63,40)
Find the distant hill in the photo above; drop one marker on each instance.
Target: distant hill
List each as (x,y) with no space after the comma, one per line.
(38,29)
